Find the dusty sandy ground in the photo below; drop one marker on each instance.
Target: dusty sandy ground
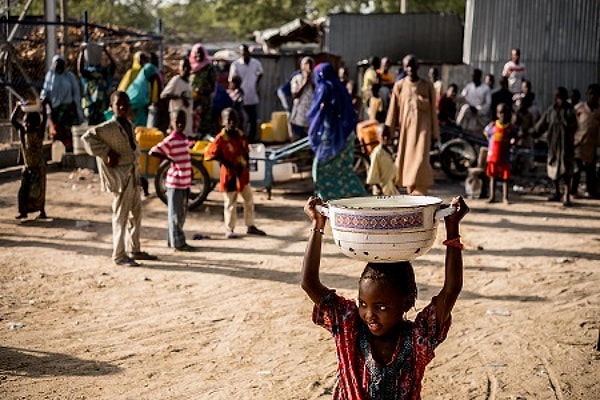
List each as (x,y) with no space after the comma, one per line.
(231,322)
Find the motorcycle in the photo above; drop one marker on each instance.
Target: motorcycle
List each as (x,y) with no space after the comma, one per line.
(457,151)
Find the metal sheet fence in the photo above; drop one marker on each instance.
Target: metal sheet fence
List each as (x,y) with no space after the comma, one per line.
(559,41)
(433,38)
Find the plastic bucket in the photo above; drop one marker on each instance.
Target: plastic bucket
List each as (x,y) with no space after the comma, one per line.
(93,53)
(57,151)
(266,132)
(257,162)
(279,123)
(367,134)
(78,131)
(212,167)
(146,138)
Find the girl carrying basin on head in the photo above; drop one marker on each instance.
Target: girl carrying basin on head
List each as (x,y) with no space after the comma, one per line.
(381,354)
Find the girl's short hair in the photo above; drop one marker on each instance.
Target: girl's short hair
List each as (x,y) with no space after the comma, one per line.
(399,275)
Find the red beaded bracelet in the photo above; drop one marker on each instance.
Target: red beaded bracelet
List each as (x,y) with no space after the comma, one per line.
(454,243)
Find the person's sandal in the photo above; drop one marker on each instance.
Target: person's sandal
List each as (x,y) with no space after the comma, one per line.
(127,262)
(186,248)
(253,230)
(142,255)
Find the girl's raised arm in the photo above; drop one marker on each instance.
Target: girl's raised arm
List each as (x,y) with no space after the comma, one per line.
(453,280)
(311,283)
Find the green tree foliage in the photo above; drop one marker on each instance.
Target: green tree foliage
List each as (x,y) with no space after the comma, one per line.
(244,17)
(138,14)
(224,20)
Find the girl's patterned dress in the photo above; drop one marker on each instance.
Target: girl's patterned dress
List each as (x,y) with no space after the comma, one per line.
(359,375)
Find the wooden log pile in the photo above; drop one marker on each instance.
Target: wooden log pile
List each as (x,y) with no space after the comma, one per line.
(29,51)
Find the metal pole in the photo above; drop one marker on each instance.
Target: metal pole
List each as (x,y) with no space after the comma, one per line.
(51,46)
(403,6)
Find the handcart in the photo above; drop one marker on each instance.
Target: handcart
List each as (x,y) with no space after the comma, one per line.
(205,174)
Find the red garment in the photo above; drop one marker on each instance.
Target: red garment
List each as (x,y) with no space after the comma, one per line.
(359,376)
(498,158)
(232,150)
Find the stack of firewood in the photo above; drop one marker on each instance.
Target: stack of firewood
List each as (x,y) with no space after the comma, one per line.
(30,51)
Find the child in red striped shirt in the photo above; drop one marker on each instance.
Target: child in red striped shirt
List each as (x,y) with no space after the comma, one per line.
(175,148)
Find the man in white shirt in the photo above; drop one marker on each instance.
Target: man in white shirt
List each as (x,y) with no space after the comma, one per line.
(303,87)
(179,93)
(250,70)
(514,70)
(474,114)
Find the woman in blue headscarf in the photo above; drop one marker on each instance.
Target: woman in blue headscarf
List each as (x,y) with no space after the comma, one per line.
(61,92)
(331,137)
(142,93)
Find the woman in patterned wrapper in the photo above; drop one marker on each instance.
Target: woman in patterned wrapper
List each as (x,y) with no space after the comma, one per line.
(332,121)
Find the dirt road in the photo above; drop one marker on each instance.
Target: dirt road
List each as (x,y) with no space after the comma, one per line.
(231,322)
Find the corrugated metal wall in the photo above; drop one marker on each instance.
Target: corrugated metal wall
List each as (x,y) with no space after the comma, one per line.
(433,38)
(559,41)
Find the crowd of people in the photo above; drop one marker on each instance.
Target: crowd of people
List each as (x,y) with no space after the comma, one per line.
(570,126)
(189,104)
(82,96)
(380,353)
(330,110)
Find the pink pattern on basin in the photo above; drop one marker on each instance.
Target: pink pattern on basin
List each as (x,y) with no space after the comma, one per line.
(379,222)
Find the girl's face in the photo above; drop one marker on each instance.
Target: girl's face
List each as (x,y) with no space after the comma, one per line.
(380,307)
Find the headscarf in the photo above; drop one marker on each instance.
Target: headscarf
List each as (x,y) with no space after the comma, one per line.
(132,72)
(198,65)
(139,90)
(331,105)
(62,88)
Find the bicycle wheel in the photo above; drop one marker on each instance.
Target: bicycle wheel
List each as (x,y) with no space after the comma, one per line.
(159,180)
(456,157)
(199,190)
(201,185)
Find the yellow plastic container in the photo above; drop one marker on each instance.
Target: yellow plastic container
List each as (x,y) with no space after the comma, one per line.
(212,167)
(279,123)
(146,138)
(266,132)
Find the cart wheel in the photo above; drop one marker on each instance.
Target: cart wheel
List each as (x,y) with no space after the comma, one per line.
(199,190)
